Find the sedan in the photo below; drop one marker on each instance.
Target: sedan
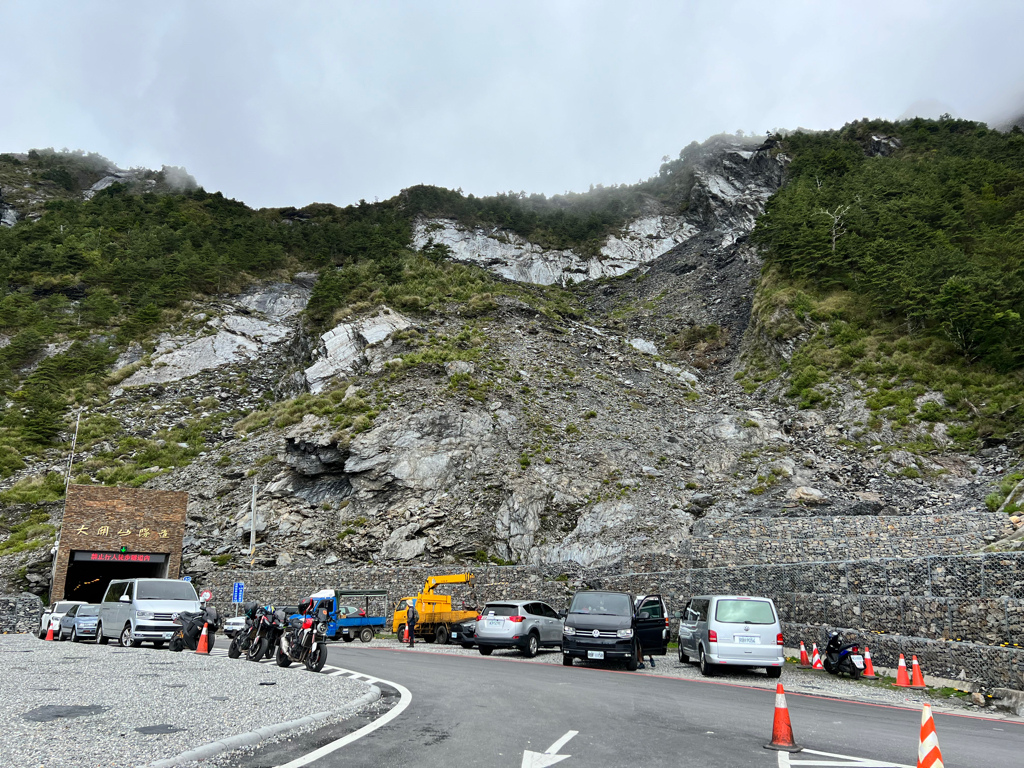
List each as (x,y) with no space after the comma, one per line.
(52,615)
(79,623)
(233,626)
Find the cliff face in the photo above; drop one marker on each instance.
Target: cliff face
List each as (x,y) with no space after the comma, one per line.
(511,437)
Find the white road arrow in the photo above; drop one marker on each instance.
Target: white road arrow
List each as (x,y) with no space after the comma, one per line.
(548,757)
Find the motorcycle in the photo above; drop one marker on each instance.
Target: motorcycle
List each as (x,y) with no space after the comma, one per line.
(241,642)
(305,639)
(268,627)
(842,659)
(192,623)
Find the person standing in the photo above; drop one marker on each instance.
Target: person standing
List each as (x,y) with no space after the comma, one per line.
(411,617)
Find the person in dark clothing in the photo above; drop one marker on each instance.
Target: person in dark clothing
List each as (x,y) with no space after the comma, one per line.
(411,617)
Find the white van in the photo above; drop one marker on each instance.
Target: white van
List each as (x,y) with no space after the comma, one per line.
(731,630)
(137,610)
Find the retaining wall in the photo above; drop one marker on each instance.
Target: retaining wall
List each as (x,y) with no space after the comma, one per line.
(20,613)
(965,613)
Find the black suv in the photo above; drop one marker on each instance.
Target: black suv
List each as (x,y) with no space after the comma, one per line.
(606,626)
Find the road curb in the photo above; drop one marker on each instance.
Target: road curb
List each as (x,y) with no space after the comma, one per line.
(251,738)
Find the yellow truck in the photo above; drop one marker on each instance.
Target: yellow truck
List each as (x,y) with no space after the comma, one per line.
(436,616)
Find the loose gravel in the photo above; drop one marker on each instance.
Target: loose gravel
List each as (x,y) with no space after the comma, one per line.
(116,691)
(794,680)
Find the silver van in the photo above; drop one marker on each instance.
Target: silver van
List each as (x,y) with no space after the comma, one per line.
(137,610)
(731,630)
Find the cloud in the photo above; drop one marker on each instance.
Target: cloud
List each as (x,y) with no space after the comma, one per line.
(286,105)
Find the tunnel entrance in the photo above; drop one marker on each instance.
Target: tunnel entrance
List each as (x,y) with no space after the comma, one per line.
(89,573)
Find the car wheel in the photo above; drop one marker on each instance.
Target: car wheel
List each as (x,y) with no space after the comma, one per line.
(158,643)
(774,672)
(486,650)
(347,638)
(683,658)
(441,635)
(127,641)
(529,649)
(467,646)
(100,637)
(74,635)
(634,659)
(566,660)
(365,635)
(401,634)
(706,668)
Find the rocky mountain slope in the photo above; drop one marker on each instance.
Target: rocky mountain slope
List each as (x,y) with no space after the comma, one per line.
(507,435)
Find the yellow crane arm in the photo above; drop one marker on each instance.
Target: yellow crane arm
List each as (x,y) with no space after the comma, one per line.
(452,578)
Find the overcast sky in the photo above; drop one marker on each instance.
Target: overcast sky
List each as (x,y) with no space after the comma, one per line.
(289,103)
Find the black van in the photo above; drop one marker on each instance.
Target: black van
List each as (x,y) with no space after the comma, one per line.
(614,626)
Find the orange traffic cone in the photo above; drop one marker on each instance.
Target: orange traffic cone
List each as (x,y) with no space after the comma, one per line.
(928,753)
(916,678)
(816,658)
(782,730)
(805,663)
(204,643)
(869,668)
(902,680)
(49,632)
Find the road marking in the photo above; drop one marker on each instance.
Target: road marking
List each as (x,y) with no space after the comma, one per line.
(786,760)
(326,749)
(548,757)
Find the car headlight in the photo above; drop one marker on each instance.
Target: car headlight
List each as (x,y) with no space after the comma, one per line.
(624,634)
(143,614)
(568,630)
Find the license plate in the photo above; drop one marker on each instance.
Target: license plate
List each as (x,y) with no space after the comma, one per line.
(454,635)
(167,635)
(747,639)
(858,661)
(494,622)
(595,654)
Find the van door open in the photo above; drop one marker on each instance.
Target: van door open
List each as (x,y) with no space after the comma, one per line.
(650,625)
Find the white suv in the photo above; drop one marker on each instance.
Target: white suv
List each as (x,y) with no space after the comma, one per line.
(51,616)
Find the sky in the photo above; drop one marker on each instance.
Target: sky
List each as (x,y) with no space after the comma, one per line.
(290,103)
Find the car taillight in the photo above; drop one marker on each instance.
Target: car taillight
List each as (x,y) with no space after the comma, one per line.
(856,649)
(516,619)
(479,616)
(778,639)
(712,636)
(307,623)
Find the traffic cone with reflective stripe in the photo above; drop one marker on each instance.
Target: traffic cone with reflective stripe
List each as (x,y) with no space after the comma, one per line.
(816,658)
(204,643)
(782,729)
(928,753)
(49,632)
(916,678)
(805,663)
(902,679)
(869,668)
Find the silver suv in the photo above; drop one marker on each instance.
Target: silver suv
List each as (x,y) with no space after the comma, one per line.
(144,609)
(523,624)
(731,630)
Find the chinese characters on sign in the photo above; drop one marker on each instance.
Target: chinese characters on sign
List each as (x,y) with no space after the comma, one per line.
(121,558)
(122,532)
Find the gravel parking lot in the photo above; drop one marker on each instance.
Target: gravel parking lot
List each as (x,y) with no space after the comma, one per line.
(107,694)
(794,680)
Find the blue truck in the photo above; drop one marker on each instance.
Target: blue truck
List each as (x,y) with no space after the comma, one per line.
(349,612)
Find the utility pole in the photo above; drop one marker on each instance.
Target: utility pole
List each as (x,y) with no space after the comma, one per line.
(67,482)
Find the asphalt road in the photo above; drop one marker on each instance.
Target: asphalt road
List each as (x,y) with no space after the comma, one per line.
(470,711)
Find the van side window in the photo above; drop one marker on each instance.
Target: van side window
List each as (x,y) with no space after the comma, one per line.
(131,590)
(701,606)
(114,592)
(653,606)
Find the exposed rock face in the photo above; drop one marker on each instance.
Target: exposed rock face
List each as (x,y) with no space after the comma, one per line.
(346,347)
(8,216)
(226,340)
(732,182)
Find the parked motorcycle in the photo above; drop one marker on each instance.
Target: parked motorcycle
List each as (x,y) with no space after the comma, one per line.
(840,659)
(192,628)
(305,638)
(242,641)
(269,625)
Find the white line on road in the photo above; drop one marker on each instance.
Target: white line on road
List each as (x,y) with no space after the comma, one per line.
(548,757)
(787,760)
(561,742)
(326,749)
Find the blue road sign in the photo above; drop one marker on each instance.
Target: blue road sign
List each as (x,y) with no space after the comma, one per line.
(238,592)
(186,578)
